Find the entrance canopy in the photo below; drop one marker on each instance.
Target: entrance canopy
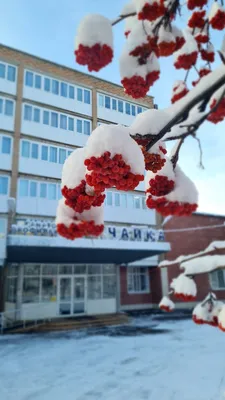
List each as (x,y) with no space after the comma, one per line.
(29,249)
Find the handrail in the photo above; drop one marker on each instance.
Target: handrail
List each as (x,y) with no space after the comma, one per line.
(6,320)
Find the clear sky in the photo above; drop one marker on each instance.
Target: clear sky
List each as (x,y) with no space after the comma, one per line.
(46,28)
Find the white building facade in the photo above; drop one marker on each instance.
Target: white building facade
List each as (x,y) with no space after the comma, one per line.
(47,111)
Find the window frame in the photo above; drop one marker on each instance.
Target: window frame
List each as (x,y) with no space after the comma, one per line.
(136,272)
(7,180)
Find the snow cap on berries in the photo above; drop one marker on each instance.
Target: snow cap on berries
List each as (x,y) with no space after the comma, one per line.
(129,24)
(149,9)
(217,16)
(150,122)
(179,37)
(133,75)
(128,8)
(166,42)
(72,225)
(179,90)
(200,314)
(74,170)
(187,55)
(184,288)
(162,182)
(115,139)
(208,54)
(166,304)
(153,69)
(137,38)
(94,42)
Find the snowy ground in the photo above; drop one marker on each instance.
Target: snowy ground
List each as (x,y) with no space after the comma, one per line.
(187,363)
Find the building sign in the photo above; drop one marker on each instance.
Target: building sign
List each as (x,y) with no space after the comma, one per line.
(134,233)
(31,227)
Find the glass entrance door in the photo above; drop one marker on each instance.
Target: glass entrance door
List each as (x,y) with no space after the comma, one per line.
(71,295)
(78,295)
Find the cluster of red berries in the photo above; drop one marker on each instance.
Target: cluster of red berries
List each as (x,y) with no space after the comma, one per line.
(184,297)
(107,172)
(160,185)
(207,55)
(152,11)
(191,4)
(219,114)
(197,20)
(80,229)
(186,61)
(166,48)
(202,72)
(166,208)
(178,95)
(202,37)
(136,86)
(153,161)
(165,308)
(95,57)
(218,21)
(200,321)
(79,200)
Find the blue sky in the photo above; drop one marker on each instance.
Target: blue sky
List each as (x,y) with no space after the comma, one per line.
(47,29)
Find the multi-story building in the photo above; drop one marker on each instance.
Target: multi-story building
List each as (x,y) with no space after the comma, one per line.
(46,111)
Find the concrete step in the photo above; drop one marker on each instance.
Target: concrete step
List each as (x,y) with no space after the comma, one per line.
(74,324)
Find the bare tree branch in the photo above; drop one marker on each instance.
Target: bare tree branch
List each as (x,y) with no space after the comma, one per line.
(175,157)
(122,17)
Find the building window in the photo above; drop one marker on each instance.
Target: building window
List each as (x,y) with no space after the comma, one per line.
(133,110)
(36,115)
(23,187)
(62,156)
(217,279)
(2,70)
(109,198)
(107,102)
(63,121)
(79,126)
(44,153)
(109,286)
(9,107)
(101,100)
(130,201)
(137,280)
(34,151)
(63,89)
(144,203)
(54,120)
(137,202)
(55,87)
(48,288)
(6,145)
(87,128)
(53,154)
(46,117)
(79,94)
(123,200)
(120,106)
(11,73)
(51,191)
(31,288)
(1,106)
(87,97)
(25,148)
(71,124)
(27,113)
(11,289)
(117,199)
(139,110)
(29,79)
(33,189)
(114,104)
(47,84)
(127,107)
(37,83)
(94,287)
(71,92)
(4,181)
(43,190)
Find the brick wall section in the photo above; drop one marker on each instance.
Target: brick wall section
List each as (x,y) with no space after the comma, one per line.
(141,298)
(191,242)
(62,72)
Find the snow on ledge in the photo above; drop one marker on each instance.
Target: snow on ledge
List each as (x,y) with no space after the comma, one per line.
(220,244)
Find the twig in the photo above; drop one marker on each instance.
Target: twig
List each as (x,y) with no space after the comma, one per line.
(200,151)
(122,17)
(175,157)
